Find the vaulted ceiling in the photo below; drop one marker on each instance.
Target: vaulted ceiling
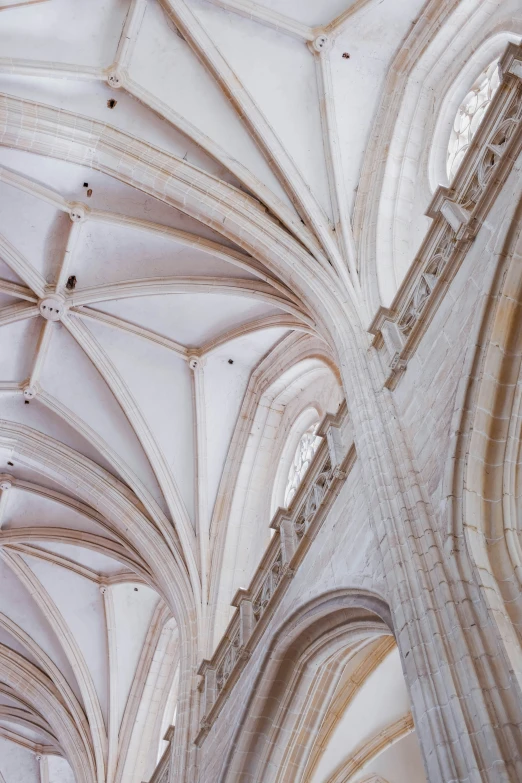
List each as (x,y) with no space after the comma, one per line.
(137,315)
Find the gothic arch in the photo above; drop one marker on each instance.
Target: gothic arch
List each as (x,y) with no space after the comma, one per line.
(317,299)
(106,498)
(275,383)
(434,68)
(102,492)
(35,686)
(482,471)
(308,650)
(491,529)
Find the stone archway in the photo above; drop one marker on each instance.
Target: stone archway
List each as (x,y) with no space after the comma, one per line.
(296,680)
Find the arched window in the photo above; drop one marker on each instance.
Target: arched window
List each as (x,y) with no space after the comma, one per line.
(304,453)
(469,116)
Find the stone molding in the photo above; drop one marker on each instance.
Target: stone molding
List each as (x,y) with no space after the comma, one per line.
(370,749)
(458,214)
(295,529)
(42,696)
(343,698)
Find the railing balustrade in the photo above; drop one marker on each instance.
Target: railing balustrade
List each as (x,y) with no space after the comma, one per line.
(458,213)
(295,527)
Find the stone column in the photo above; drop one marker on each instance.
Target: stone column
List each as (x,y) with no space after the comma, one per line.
(466,703)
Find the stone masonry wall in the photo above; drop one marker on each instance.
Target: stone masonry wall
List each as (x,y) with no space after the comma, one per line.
(425,395)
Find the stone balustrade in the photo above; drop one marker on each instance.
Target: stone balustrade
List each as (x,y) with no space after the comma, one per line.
(295,528)
(458,213)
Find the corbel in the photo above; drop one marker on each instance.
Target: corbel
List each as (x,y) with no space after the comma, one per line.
(443,204)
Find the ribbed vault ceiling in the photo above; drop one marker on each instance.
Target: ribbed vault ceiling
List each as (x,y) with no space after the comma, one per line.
(131,324)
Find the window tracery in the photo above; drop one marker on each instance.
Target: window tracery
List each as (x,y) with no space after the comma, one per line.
(304,453)
(469,116)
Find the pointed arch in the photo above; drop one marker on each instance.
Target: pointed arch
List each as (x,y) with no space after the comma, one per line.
(327,628)
(121,510)
(40,691)
(482,529)
(266,383)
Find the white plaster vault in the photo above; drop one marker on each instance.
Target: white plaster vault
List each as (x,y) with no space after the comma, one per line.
(223,222)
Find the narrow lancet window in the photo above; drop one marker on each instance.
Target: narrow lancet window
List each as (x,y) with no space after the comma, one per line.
(303,456)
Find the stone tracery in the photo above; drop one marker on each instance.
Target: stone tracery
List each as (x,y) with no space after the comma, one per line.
(304,453)
(470,115)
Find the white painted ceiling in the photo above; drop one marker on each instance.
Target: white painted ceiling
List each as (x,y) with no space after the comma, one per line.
(109,384)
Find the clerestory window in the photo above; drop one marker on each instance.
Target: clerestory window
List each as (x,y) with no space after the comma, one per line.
(469,116)
(304,454)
